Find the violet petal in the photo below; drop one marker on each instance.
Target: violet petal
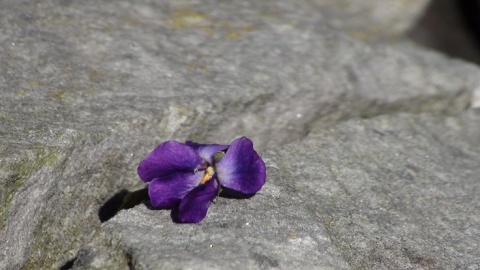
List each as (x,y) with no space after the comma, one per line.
(207,151)
(241,169)
(167,192)
(194,206)
(169,157)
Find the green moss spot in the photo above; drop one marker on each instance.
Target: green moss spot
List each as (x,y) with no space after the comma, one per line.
(57,94)
(23,169)
(5,118)
(185,18)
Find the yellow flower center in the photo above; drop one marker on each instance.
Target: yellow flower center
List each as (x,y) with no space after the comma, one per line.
(208,175)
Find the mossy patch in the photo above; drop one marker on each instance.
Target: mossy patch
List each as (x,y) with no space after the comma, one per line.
(19,171)
(5,118)
(57,94)
(186,18)
(190,19)
(59,237)
(59,244)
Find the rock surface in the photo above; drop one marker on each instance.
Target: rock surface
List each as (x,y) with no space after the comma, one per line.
(393,192)
(88,88)
(370,19)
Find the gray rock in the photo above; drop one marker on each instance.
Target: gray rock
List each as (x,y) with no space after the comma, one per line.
(393,192)
(397,193)
(370,19)
(86,89)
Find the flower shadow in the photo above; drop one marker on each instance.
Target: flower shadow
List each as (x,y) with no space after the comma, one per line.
(149,206)
(173,213)
(122,199)
(233,194)
(111,207)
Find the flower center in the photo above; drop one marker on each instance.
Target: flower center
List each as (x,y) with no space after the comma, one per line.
(208,175)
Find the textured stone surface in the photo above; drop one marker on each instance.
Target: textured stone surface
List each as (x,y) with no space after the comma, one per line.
(393,192)
(370,19)
(87,88)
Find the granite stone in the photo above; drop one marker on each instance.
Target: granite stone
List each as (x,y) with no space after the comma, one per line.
(391,192)
(88,88)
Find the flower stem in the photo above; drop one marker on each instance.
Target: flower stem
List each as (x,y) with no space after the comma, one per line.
(219,190)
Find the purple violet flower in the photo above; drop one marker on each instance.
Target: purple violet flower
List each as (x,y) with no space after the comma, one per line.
(189,176)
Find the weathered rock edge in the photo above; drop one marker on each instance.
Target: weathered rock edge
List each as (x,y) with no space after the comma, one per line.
(392,192)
